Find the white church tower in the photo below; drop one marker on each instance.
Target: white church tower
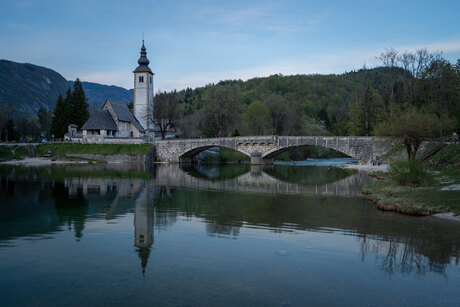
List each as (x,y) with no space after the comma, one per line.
(143,91)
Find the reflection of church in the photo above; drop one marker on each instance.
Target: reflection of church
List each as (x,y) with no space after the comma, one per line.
(116,197)
(143,226)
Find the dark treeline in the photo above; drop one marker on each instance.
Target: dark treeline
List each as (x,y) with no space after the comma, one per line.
(353,103)
(71,109)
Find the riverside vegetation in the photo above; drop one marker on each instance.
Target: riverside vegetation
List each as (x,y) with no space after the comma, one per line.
(420,188)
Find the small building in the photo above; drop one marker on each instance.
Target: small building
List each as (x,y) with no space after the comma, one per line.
(113,121)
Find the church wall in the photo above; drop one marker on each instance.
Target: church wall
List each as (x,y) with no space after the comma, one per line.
(143,97)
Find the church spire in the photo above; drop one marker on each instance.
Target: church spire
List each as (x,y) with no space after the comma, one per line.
(143,61)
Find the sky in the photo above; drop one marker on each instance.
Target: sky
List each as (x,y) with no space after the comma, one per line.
(194,43)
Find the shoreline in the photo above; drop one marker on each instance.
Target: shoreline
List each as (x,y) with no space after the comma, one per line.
(40,162)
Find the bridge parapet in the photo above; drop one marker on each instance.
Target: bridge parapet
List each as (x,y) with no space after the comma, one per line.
(262,149)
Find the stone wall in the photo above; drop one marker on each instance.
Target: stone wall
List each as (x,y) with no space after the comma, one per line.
(262,149)
(130,158)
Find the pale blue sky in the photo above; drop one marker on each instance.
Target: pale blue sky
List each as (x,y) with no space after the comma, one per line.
(192,43)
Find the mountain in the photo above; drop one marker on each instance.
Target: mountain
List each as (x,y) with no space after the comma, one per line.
(98,93)
(28,87)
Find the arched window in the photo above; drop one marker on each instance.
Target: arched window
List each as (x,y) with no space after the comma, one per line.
(141,79)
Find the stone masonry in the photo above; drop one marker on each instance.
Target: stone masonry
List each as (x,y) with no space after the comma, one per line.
(262,149)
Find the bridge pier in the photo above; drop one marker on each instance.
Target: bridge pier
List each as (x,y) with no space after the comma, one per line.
(186,160)
(258,160)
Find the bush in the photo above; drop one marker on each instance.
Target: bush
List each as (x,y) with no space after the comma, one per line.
(409,172)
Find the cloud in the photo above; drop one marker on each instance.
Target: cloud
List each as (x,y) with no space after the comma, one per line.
(324,63)
(329,63)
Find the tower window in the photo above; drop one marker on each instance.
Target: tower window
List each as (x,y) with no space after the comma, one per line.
(150,79)
(141,79)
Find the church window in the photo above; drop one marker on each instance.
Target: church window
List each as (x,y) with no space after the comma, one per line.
(150,79)
(141,79)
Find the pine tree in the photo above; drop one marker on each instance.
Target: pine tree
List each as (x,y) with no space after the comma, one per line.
(78,105)
(59,121)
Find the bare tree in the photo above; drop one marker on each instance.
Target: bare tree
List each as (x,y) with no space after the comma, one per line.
(164,112)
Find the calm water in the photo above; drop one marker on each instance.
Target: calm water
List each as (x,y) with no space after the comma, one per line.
(215,235)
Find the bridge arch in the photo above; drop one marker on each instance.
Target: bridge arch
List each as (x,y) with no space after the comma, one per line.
(262,149)
(272,154)
(188,155)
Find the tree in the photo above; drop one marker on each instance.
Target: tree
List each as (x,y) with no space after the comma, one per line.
(78,105)
(412,126)
(282,114)
(257,119)
(164,112)
(312,126)
(59,121)
(44,119)
(222,107)
(28,126)
(365,112)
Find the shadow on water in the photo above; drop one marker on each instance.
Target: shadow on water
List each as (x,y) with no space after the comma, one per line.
(228,199)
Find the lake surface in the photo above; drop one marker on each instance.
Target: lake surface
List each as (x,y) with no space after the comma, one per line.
(225,235)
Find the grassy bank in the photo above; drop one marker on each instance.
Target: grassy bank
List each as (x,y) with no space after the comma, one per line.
(227,155)
(441,196)
(12,152)
(60,150)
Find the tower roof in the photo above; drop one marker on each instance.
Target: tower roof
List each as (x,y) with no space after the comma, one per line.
(143,61)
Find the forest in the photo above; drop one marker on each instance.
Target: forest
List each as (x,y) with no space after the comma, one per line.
(352,103)
(415,85)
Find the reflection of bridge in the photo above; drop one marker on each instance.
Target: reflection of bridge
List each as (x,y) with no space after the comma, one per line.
(262,149)
(258,181)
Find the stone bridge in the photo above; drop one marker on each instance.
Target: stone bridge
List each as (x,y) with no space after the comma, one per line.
(262,149)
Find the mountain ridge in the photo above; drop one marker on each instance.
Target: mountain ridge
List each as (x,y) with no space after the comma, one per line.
(26,87)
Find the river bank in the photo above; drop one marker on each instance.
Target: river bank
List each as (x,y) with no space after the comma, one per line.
(440,199)
(42,162)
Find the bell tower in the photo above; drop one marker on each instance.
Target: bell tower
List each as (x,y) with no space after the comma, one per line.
(143,91)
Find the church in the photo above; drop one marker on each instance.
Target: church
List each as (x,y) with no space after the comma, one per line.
(114,122)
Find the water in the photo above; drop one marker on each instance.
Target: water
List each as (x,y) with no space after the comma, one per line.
(318,162)
(215,235)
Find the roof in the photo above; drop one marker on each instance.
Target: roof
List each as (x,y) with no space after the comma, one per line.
(100,120)
(123,113)
(143,61)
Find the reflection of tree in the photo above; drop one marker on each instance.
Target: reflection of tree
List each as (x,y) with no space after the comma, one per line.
(406,255)
(165,215)
(216,171)
(308,175)
(71,210)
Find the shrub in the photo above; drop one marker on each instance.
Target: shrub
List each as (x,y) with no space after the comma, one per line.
(409,172)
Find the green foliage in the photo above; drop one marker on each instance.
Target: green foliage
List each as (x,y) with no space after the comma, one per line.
(412,126)
(312,152)
(59,121)
(257,120)
(350,103)
(44,120)
(78,105)
(228,155)
(61,149)
(73,109)
(222,109)
(410,172)
(12,152)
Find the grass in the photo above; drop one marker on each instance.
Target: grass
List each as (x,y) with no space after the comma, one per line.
(389,195)
(13,152)
(227,155)
(60,150)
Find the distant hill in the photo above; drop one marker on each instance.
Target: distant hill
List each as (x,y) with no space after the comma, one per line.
(29,87)
(98,93)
